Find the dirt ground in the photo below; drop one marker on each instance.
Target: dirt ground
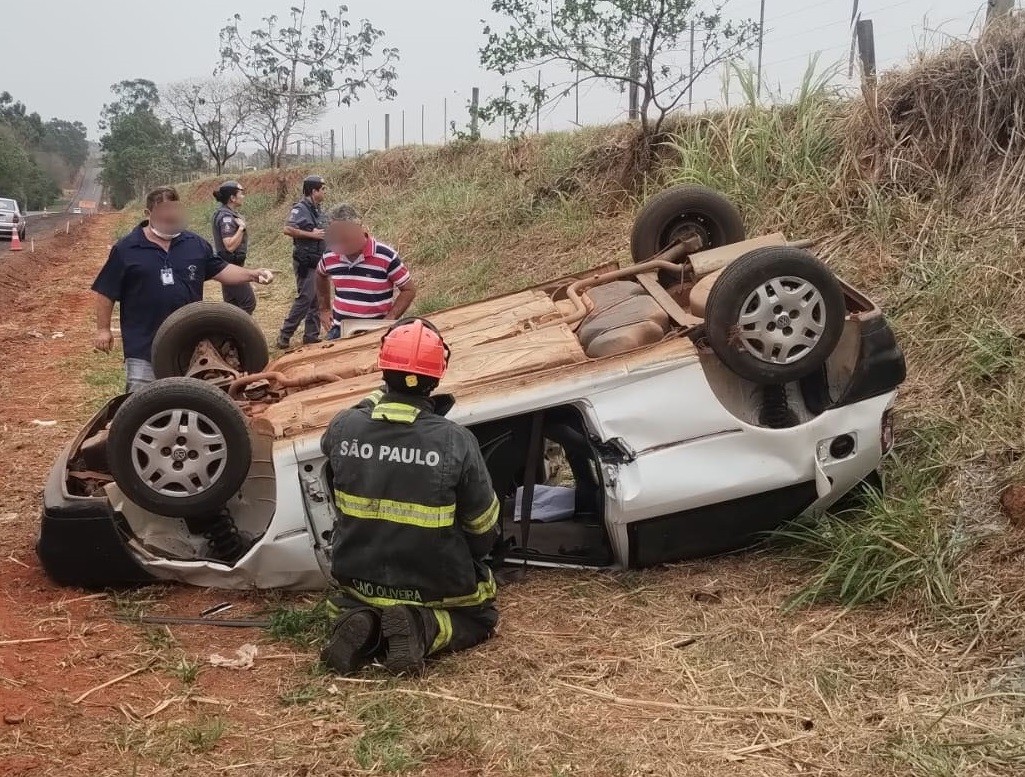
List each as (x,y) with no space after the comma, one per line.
(689,670)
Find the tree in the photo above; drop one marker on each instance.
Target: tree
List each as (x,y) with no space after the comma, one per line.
(66,139)
(590,40)
(21,176)
(28,126)
(214,111)
(295,67)
(139,149)
(138,94)
(267,125)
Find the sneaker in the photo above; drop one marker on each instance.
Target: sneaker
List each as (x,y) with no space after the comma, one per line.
(402,629)
(311,340)
(282,344)
(353,642)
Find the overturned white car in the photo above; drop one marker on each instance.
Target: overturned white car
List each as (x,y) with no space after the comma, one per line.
(675,408)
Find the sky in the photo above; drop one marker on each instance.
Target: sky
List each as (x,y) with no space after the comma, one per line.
(68,53)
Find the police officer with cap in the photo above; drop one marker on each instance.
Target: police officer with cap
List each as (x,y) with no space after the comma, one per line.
(231,241)
(305,227)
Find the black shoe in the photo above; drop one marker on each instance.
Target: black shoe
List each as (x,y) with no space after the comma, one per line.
(353,642)
(406,646)
(283,344)
(311,340)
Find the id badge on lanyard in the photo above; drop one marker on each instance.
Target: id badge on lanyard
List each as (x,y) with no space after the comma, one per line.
(167,275)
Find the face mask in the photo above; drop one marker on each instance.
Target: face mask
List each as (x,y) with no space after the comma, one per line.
(162,235)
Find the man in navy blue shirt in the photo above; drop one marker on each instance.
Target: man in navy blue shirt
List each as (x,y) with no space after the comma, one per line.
(156,269)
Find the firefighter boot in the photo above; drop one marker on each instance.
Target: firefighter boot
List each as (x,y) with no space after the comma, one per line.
(409,633)
(354,640)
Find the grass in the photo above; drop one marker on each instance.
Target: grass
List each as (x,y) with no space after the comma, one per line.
(185,669)
(301,625)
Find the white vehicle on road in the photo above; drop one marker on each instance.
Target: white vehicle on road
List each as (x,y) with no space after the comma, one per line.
(675,408)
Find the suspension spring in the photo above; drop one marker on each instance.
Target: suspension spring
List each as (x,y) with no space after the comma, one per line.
(776,412)
(225,542)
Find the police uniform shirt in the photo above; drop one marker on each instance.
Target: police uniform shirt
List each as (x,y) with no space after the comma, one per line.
(225,226)
(151,284)
(306,216)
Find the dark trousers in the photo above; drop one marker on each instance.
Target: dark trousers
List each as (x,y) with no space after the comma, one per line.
(304,307)
(447,631)
(240,295)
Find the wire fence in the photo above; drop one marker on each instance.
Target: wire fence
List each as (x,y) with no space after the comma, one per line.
(452,115)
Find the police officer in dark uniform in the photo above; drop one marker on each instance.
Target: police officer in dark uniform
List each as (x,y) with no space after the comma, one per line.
(416,514)
(231,241)
(306,228)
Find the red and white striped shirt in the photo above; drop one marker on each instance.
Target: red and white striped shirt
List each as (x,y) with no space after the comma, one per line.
(364,287)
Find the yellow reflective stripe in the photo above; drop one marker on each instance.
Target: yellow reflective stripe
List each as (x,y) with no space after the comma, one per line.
(409,513)
(444,631)
(484,522)
(395,411)
(374,397)
(332,610)
(485,591)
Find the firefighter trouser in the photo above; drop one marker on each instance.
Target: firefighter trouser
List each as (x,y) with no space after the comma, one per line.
(446,630)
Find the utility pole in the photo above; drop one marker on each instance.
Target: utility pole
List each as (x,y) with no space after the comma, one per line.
(332,145)
(537,105)
(690,84)
(505,114)
(444,114)
(403,126)
(474,116)
(635,76)
(341,141)
(387,131)
(761,42)
(997,8)
(368,134)
(423,124)
(576,98)
(867,50)
(355,141)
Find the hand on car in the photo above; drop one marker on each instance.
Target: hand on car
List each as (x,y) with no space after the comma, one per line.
(104,340)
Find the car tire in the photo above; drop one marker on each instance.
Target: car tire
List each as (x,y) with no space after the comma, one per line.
(680,211)
(749,315)
(211,445)
(220,323)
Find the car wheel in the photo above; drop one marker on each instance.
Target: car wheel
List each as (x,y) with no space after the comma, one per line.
(682,212)
(775,315)
(231,330)
(179,447)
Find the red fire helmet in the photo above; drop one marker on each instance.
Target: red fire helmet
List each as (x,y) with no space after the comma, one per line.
(414,346)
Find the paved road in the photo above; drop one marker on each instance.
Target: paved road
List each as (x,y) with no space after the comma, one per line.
(43,225)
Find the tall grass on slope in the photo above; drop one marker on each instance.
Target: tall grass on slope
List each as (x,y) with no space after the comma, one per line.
(879,549)
(779,164)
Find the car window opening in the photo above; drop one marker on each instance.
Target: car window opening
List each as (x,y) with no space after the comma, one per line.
(567,513)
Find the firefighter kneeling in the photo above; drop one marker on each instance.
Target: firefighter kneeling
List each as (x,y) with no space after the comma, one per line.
(415,515)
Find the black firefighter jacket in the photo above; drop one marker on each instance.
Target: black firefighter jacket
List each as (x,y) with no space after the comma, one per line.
(416,511)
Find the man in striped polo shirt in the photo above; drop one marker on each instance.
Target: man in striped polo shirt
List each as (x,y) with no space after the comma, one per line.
(359,277)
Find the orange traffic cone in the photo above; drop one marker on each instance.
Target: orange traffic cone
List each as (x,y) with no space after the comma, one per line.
(15,241)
